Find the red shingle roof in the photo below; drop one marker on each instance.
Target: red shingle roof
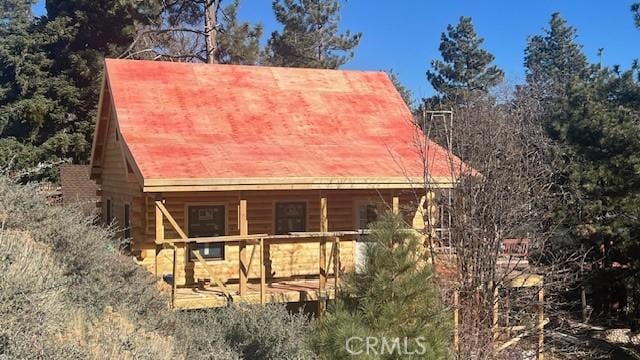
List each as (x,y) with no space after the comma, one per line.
(199,121)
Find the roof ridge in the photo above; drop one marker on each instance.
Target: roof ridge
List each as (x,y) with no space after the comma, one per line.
(178,63)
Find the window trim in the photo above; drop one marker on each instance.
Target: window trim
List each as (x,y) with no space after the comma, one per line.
(225,246)
(290,200)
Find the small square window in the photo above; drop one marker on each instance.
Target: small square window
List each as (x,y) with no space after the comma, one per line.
(291,217)
(367,214)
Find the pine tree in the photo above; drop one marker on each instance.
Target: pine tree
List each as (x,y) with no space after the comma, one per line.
(178,34)
(597,124)
(310,35)
(465,69)
(394,296)
(635,8)
(239,43)
(35,124)
(554,59)
(50,70)
(404,92)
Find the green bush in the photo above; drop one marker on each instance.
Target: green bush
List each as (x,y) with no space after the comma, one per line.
(393,297)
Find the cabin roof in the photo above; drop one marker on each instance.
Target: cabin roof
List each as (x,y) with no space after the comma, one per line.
(197,124)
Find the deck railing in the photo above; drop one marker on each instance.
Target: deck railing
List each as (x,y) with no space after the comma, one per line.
(257,242)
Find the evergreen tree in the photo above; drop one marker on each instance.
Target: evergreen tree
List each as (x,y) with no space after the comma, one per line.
(97,30)
(239,43)
(404,92)
(635,8)
(179,34)
(553,60)
(310,35)
(395,296)
(35,125)
(465,69)
(50,70)
(597,125)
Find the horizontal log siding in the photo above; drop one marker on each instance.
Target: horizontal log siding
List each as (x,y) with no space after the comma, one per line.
(120,190)
(283,259)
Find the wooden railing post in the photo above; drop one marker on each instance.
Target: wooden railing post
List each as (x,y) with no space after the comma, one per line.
(495,316)
(336,262)
(159,234)
(173,276)
(324,227)
(244,231)
(456,321)
(262,274)
(160,240)
(540,349)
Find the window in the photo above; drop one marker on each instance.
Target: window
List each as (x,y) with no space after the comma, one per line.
(107,218)
(367,213)
(445,218)
(207,221)
(291,217)
(127,222)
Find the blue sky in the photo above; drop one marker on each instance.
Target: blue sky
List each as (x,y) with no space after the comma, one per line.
(404,35)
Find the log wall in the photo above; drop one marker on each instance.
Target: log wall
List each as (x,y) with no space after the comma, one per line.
(283,259)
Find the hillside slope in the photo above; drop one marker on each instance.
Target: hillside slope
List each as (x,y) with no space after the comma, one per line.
(67,292)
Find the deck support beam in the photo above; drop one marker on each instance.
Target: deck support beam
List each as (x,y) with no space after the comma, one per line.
(322,284)
(263,287)
(336,262)
(244,231)
(540,349)
(159,235)
(456,321)
(495,316)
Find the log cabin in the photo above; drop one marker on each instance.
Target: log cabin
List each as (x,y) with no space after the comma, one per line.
(252,183)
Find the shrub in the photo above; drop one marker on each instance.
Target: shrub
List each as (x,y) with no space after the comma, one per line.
(67,293)
(252,331)
(31,288)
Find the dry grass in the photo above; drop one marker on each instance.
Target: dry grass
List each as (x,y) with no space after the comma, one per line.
(67,293)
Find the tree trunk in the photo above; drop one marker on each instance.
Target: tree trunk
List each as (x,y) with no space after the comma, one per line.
(211,29)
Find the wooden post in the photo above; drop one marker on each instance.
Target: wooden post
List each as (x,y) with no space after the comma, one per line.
(159,233)
(507,311)
(173,276)
(322,285)
(456,321)
(396,205)
(244,231)
(540,350)
(263,289)
(336,263)
(496,313)
(583,299)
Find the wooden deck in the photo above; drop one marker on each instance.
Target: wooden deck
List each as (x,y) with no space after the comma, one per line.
(276,292)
